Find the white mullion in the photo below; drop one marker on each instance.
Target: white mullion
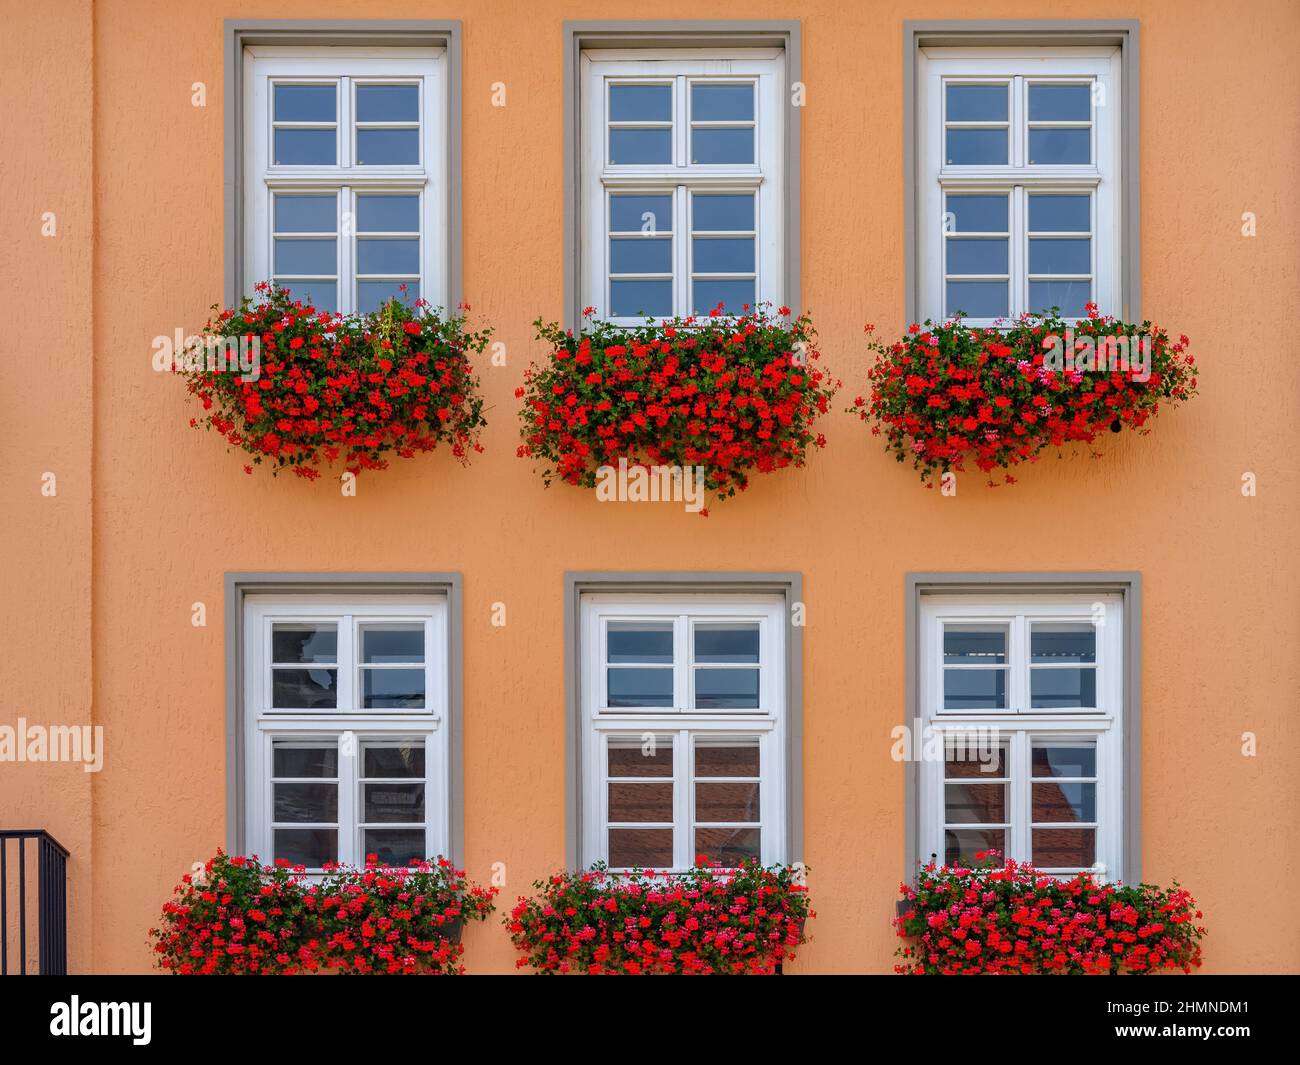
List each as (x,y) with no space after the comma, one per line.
(1019,837)
(683,206)
(681,124)
(350,846)
(683,800)
(683,668)
(346,265)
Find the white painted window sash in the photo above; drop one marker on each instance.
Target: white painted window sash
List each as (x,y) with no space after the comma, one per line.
(1020,725)
(685,725)
(350,726)
(680,67)
(429,179)
(1100,179)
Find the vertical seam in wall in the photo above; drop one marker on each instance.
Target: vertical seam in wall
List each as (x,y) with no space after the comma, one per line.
(90,468)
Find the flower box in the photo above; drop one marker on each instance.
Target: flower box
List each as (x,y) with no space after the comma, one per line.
(310,388)
(1007,918)
(236,916)
(729,397)
(949,395)
(745,921)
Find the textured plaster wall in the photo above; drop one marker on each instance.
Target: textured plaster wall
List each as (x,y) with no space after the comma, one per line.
(172,512)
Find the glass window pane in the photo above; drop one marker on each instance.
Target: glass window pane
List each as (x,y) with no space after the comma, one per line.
(1064,848)
(1063,643)
(388,103)
(304,643)
(975,804)
(636,757)
(1061,103)
(728,846)
(304,689)
(1064,760)
(305,761)
(729,689)
(727,757)
(975,689)
(371,295)
(722,103)
(311,847)
(722,145)
(640,255)
(629,147)
(631,686)
(726,212)
(310,803)
(296,256)
(1060,214)
(726,255)
(733,296)
(1069,296)
(386,256)
(641,214)
(640,641)
(305,214)
(977,256)
(977,299)
(323,295)
(401,803)
(976,103)
(641,802)
(392,689)
(388,214)
(640,103)
(961,844)
(305,147)
(974,646)
(731,801)
(978,214)
(388,147)
(393,759)
(392,643)
(395,846)
(1068,256)
(1055,146)
(726,642)
(976,147)
(971,759)
(306,103)
(1065,802)
(640,848)
(635,299)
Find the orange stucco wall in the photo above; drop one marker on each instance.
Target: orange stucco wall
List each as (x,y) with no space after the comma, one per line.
(99,581)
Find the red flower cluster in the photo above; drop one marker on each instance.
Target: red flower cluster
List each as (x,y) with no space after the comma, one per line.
(1009,919)
(732,395)
(331,387)
(240,917)
(744,921)
(948,394)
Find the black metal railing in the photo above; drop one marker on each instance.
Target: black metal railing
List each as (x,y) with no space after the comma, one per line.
(48,862)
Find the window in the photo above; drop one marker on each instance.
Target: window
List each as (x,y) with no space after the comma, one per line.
(683,194)
(1025,698)
(684,730)
(345,707)
(1019,170)
(346,174)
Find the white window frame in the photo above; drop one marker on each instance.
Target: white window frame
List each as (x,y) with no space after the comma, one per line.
(264,724)
(681,66)
(1018,179)
(767,723)
(1020,725)
(269,64)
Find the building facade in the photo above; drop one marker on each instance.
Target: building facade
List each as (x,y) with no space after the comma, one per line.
(495,651)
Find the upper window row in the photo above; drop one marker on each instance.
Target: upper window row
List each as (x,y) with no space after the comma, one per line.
(683,179)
